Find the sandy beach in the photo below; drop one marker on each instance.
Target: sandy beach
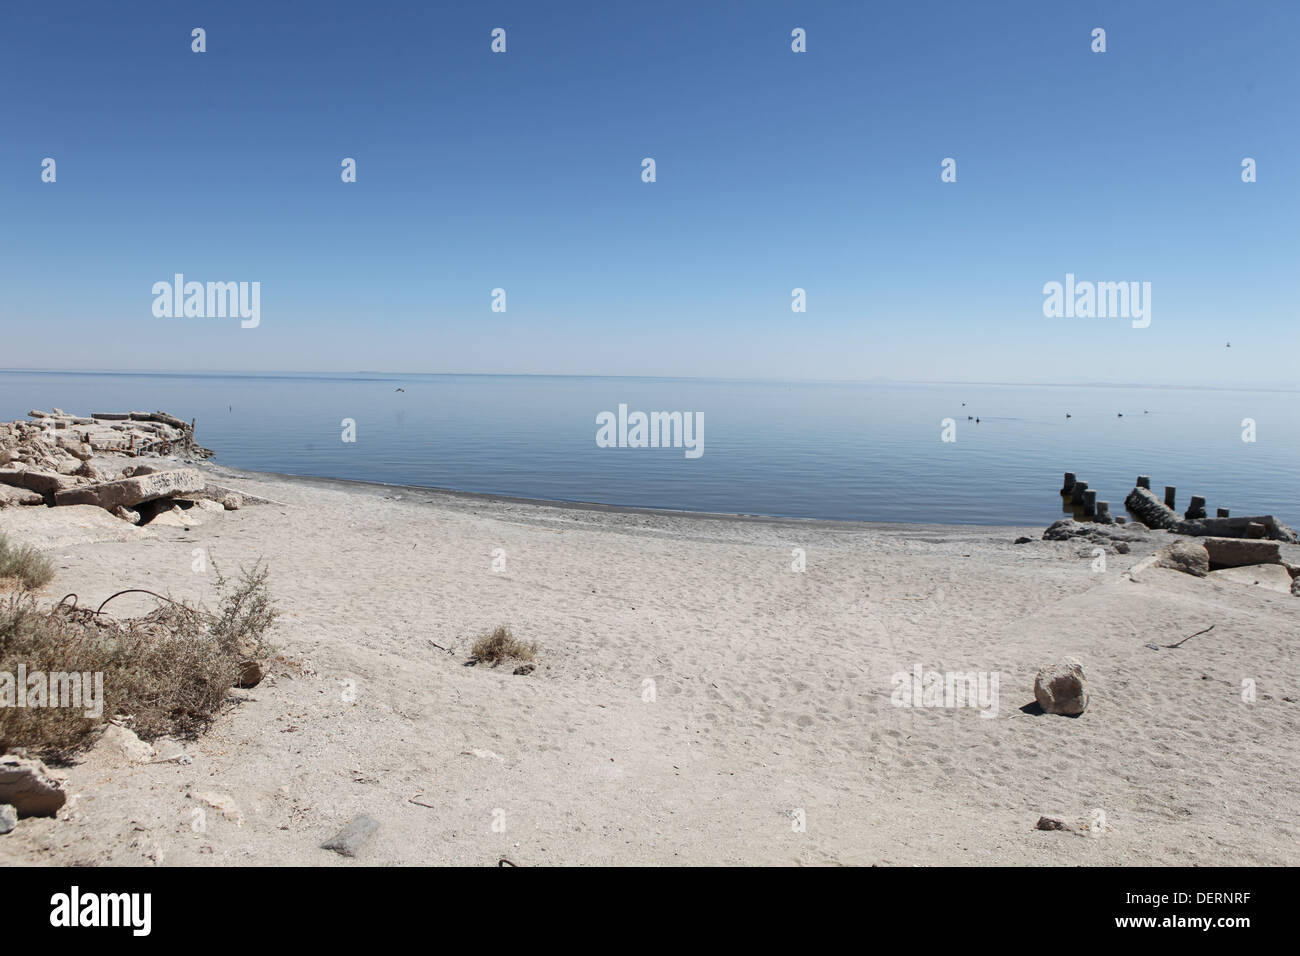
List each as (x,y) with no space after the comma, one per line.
(695,699)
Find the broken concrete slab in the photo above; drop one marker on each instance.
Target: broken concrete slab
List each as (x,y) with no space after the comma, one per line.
(1238,552)
(1272,577)
(12,497)
(45,483)
(127,492)
(47,529)
(1239,528)
(1151,511)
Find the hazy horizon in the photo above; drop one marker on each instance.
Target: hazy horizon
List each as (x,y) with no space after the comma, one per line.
(881,380)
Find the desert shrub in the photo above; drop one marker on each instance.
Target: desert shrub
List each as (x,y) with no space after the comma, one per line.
(31,568)
(501,645)
(168,672)
(245,613)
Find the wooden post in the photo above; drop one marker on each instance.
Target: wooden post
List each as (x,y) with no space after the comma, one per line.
(1089,503)
(1169,496)
(1144,481)
(1196,509)
(1067,486)
(1223,512)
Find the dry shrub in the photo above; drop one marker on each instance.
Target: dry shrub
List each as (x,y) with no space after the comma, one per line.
(169,671)
(28,565)
(501,645)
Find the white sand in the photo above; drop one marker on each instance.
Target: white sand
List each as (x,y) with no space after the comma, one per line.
(772,695)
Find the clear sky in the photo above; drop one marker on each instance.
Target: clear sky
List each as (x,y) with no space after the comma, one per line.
(775,170)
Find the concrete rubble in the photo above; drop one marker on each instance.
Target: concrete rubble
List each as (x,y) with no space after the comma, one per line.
(61,460)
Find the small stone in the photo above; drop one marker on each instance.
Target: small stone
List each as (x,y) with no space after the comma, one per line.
(524,669)
(233,502)
(348,840)
(8,818)
(1023,540)
(251,673)
(127,515)
(223,802)
(1051,823)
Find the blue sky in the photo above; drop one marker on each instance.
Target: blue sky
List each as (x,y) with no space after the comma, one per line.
(775,170)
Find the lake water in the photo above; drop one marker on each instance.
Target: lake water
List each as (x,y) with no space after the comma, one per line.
(848,451)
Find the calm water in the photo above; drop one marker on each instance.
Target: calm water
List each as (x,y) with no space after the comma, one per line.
(862,452)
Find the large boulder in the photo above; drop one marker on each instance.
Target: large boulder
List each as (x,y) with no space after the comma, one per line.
(128,492)
(29,787)
(1061,688)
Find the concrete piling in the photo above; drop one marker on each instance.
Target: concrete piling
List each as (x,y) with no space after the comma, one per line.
(1076,495)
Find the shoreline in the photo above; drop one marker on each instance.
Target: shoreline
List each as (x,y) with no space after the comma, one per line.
(454,494)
